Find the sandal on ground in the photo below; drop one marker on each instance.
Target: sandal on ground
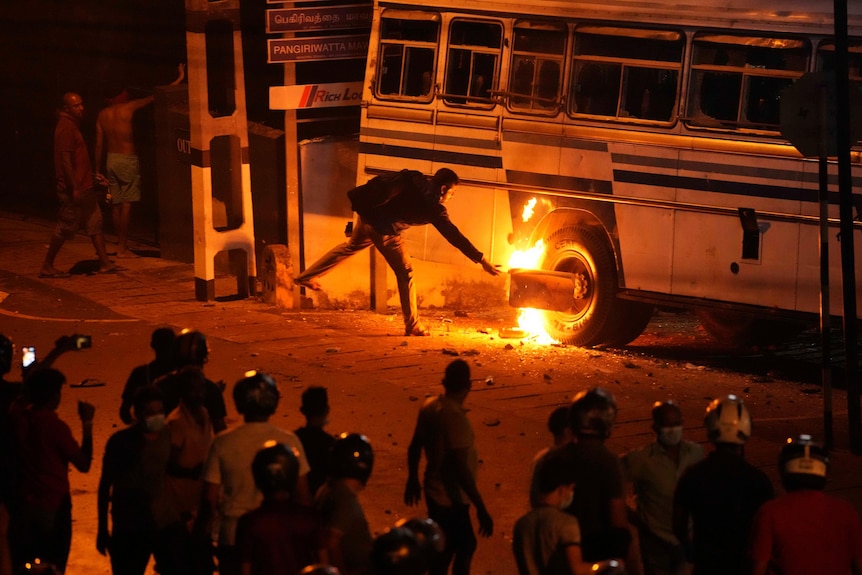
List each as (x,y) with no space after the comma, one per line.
(56,274)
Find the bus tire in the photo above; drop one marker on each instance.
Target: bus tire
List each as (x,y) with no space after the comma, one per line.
(581,251)
(742,329)
(629,320)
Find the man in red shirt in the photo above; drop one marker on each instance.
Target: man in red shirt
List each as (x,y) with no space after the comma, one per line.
(806,531)
(79,207)
(42,523)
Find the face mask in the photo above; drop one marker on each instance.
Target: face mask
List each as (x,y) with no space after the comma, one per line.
(155,422)
(567,500)
(670,436)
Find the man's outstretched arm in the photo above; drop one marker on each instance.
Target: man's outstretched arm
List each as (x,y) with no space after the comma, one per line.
(454,236)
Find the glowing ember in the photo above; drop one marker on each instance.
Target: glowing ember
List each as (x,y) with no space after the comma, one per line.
(530,320)
(528,210)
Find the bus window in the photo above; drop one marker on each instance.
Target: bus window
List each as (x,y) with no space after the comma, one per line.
(736,81)
(626,73)
(826,63)
(537,64)
(408,50)
(472,62)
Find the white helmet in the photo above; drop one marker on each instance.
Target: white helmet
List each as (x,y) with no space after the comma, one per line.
(727,420)
(802,456)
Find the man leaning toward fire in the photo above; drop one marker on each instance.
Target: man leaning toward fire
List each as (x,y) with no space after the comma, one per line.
(385,206)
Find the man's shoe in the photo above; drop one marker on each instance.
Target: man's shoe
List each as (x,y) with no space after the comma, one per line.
(418,330)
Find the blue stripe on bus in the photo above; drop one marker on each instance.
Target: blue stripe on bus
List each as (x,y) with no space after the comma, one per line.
(559,182)
(554,141)
(441,156)
(710,167)
(430,138)
(718,186)
(791,176)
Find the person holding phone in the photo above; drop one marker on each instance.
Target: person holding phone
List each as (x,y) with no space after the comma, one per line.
(41,525)
(10,391)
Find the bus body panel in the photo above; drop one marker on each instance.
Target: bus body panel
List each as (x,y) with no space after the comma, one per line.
(666,195)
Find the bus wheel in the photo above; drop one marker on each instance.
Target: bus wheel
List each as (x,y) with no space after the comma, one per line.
(629,320)
(580,251)
(744,329)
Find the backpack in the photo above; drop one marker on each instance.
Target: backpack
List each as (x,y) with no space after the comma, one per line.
(380,190)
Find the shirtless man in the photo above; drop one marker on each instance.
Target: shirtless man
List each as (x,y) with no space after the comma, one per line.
(114,134)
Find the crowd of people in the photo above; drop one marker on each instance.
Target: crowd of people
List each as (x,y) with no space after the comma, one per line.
(179,488)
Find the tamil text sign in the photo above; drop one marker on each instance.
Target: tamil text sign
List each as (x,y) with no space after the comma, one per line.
(324,18)
(315,96)
(317,48)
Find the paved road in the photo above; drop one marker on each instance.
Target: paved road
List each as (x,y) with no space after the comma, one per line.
(377,378)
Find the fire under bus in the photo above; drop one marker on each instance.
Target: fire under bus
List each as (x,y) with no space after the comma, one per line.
(631,147)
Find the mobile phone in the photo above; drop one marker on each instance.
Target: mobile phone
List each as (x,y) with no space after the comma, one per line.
(28,356)
(83,341)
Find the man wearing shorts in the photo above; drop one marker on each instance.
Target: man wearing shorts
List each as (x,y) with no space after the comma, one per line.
(79,208)
(114,134)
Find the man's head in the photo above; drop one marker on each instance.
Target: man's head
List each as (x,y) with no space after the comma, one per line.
(191,385)
(120,97)
(667,423)
(351,457)
(555,479)
(190,348)
(7,355)
(149,406)
(429,535)
(315,403)
(42,388)
(803,464)
(456,380)
(256,396)
(558,425)
(275,469)
(73,105)
(443,183)
(162,342)
(727,421)
(592,413)
(397,551)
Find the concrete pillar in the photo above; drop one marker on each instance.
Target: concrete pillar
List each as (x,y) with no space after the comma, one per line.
(221,179)
(277,276)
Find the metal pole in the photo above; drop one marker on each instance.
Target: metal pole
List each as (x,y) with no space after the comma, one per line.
(825,311)
(845,194)
(825,323)
(292,179)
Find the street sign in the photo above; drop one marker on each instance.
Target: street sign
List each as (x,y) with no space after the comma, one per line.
(324,18)
(317,48)
(315,96)
(808,115)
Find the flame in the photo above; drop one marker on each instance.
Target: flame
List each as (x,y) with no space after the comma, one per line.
(527,259)
(533,323)
(530,320)
(528,209)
